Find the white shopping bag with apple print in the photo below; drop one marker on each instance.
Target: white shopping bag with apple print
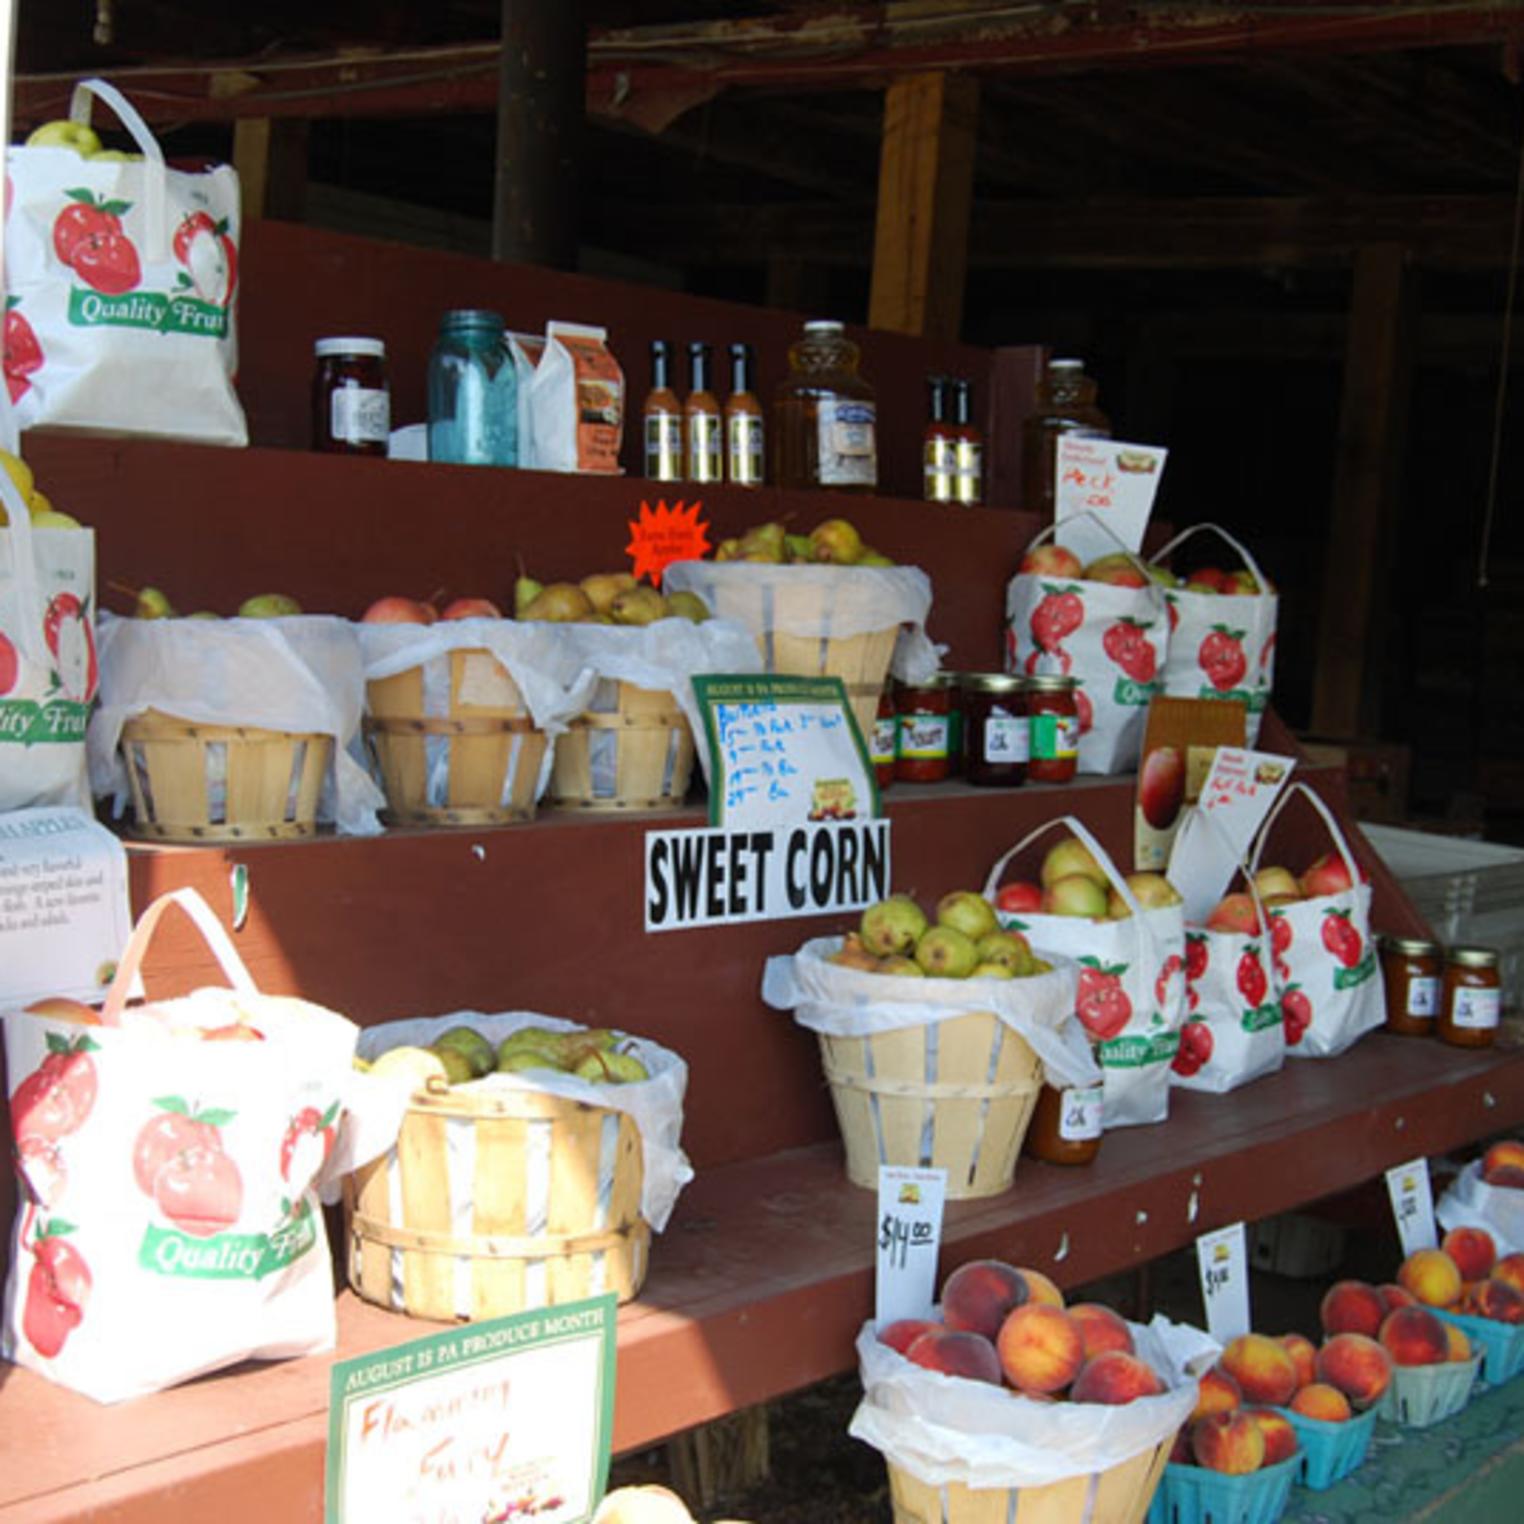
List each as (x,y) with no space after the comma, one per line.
(168,1223)
(1131,994)
(48,668)
(1221,645)
(1110,639)
(121,283)
(1325,956)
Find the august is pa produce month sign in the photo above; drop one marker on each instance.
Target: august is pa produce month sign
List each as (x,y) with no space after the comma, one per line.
(488,1423)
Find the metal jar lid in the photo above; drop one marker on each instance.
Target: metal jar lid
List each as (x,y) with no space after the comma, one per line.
(1474,957)
(936,680)
(1409,947)
(990,682)
(1045,682)
(323,348)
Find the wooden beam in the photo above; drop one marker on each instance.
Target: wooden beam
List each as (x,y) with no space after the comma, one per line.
(270,155)
(1377,384)
(925,193)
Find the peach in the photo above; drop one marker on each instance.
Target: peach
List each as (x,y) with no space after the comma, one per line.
(1414,1336)
(1497,1300)
(1115,1378)
(1101,1328)
(1325,1403)
(1040,1288)
(1460,1345)
(1473,1251)
(978,1296)
(956,1352)
(1218,1392)
(1432,1276)
(1262,1367)
(1180,1451)
(1040,1348)
(1394,1296)
(1357,1365)
(1279,1434)
(1352,1307)
(1229,1442)
(902,1333)
(1503,1163)
(1510,1269)
(1304,1355)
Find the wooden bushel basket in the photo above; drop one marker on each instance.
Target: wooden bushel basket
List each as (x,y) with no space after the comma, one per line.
(1119,1495)
(527,1152)
(194,782)
(899,1103)
(652,751)
(495,752)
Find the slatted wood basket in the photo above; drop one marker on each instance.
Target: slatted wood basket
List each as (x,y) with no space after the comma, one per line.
(636,756)
(192,782)
(860,661)
(444,1225)
(494,753)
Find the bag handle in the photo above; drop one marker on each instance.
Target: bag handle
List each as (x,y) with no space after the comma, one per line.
(1150,586)
(1264,938)
(24,572)
(1222,534)
(153,234)
(142,934)
(1337,836)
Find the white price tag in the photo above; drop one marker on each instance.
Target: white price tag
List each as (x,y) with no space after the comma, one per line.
(1223,1260)
(1109,480)
(909,1237)
(1413,1205)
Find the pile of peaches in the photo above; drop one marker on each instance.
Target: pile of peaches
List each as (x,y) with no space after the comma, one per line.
(1009,1326)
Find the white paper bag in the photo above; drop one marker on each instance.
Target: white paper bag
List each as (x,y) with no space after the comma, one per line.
(122,281)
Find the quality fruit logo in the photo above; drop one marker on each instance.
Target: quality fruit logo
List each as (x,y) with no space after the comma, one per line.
(205,247)
(1252,984)
(1197,957)
(1171,968)
(1059,612)
(1139,1052)
(1195,1048)
(1221,657)
(23,354)
(178,1161)
(1296,1013)
(307,1143)
(1126,642)
(1342,938)
(57,1288)
(71,641)
(88,238)
(1101,1003)
(56,1098)
(1280,941)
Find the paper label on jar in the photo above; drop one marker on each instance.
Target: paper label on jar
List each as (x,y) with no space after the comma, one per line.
(704,447)
(359,415)
(1476,1008)
(664,447)
(743,441)
(1007,739)
(968,471)
(1423,996)
(923,737)
(1079,1114)
(885,735)
(848,447)
(1055,737)
(937,467)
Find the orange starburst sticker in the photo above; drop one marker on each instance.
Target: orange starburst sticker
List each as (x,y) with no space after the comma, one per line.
(662,535)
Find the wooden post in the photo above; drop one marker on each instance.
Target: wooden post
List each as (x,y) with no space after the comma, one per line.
(270,156)
(925,190)
(539,122)
(1377,383)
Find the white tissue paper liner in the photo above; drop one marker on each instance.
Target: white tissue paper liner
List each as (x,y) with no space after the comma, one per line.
(655,1105)
(852,1002)
(1470,1202)
(300,674)
(946,1429)
(832,602)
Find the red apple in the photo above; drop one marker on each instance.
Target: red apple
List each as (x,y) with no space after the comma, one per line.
(1051,561)
(1119,570)
(399,611)
(1328,875)
(1234,912)
(471,608)
(1207,579)
(1021,898)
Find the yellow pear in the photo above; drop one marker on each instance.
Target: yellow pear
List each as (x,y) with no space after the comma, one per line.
(602,588)
(559,603)
(639,605)
(685,605)
(836,541)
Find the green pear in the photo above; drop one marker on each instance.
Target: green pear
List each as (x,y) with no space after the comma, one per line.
(152,604)
(968,912)
(470,1043)
(1162,575)
(945,953)
(837,542)
(457,1066)
(525,591)
(728,550)
(798,549)
(991,971)
(905,967)
(639,605)
(893,926)
(559,603)
(873,558)
(602,588)
(611,1068)
(763,542)
(547,1046)
(604,1039)
(203,614)
(525,1058)
(1009,949)
(685,605)
(853,953)
(268,606)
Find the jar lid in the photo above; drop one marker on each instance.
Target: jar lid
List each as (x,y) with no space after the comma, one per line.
(1045,682)
(822,325)
(1409,947)
(472,317)
(1066,365)
(347,346)
(936,680)
(990,682)
(1474,957)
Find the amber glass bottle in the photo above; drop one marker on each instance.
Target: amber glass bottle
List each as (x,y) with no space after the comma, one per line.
(663,419)
(702,420)
(968,448)
(824,419)
(937,445)
(1065,404)
(743,423)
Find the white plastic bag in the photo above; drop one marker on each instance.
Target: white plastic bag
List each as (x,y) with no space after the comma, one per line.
(1332,993)
(122,280)
(49,672)
(1131,991)
(168,1222)
(1470,1202)
(1110,639)
(1221,645)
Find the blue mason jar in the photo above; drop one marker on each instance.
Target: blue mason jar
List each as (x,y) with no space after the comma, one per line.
(473,392)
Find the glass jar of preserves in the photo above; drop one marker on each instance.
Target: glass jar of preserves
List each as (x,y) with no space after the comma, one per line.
(1411,971)
(1053,722)
(824,420)
(995,730)
(473,392)
(1472,999)
(1066,1125)
(882,743)
(923,716)
(1064,404)
(351,402)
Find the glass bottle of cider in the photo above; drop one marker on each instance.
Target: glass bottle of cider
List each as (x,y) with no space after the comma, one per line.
(824,419)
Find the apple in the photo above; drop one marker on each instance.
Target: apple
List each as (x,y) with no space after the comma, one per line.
(1328,875)
(1071,856)
(1119,569)
(1075,895)
(399,611)
(1021,898)
(1162,575)
(62,1008)
(80,136)
(1234,912)
(1244,582)
(1277,883)
(1151,890)
(471,608)
(1051,561)
(1207,579)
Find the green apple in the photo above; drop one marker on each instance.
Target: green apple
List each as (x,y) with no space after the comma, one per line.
(79,136)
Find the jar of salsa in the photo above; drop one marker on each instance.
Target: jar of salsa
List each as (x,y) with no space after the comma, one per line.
(1053,712)
(881,744)
(1472,999)
(1411,971)
(995,737)
(923,714)
(1066,1125)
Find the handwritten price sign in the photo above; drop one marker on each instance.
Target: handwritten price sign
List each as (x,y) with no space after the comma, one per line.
(1223,1262)
(909,1233)
(1413,1205)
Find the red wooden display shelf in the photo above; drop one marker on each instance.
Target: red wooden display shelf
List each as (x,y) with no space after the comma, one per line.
(764,1276)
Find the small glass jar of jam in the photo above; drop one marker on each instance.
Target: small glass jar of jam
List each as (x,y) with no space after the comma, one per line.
(955,724)
(924,721)
(351,403)
(995,738)
(1066,1125)
(1472,1000)
(1053,711)
(881,743)
(1411,971)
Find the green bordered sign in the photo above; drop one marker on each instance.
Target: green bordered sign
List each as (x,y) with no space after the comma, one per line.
(484,1424)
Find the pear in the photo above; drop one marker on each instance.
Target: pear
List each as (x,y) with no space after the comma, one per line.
(946,953)
(419,1064)
(836,541)
(470,1043)
(873,558)
(728,550)
(1039,966)
(524,1058)
(892,926)
(967,912)
(906,967)
(152,604)
(559,603)
(639,605)
(525,591)
(457,1066)
(602,588)
(763,542)
(604,1039)
(1009,949)
(547,1046)
(268,606)
(51,518)
(203,614)
(685,605)
(1162,575)
(611,1068)
(991,971)
(853,954)
(798,549)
